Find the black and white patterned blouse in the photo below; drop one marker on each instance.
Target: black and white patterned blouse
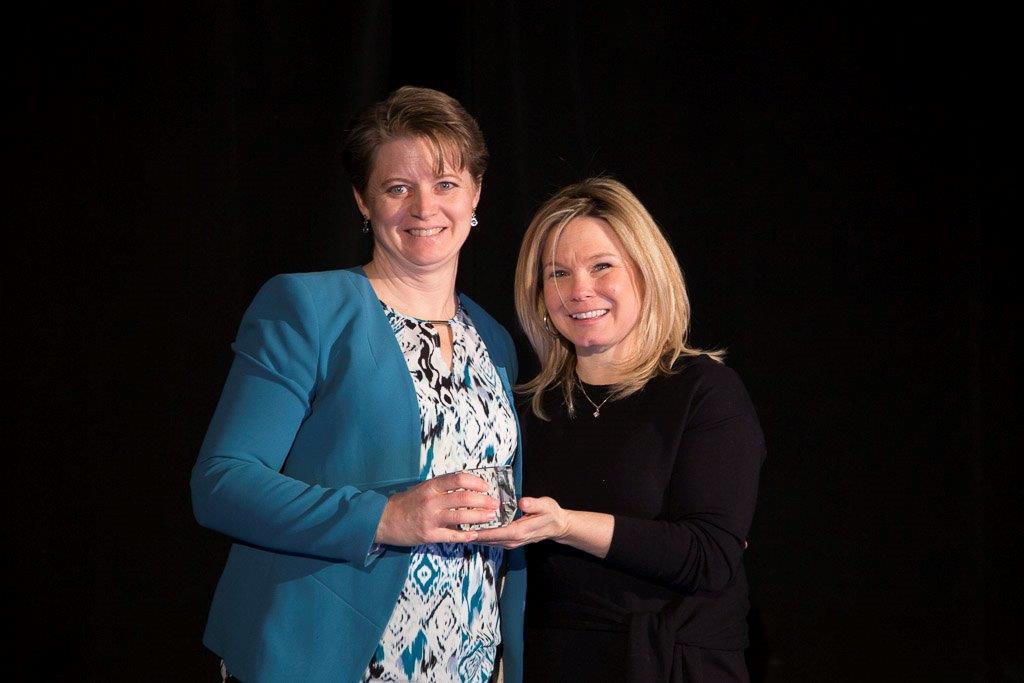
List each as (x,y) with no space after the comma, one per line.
(445,626)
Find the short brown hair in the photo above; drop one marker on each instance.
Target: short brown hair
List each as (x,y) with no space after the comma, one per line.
(664,322)
(451,132)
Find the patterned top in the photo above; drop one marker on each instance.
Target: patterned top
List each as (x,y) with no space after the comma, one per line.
(445,626)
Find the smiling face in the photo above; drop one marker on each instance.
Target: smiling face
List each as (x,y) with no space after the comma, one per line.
(420,218)
(591,289)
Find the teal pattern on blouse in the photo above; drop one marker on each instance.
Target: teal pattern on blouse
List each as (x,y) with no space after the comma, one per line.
(445,626)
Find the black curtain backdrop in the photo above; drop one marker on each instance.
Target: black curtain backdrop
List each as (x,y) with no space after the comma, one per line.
(831,182)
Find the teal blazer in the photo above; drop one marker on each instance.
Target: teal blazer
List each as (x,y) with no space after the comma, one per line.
(318,423)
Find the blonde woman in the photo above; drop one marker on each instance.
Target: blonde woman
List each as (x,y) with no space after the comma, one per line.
(647,452)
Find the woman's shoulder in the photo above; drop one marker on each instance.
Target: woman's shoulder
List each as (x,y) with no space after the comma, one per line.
(702,368)
(328,284)
(324,291)
(711,386)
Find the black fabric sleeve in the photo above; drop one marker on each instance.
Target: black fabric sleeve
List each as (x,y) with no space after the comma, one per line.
(697,543)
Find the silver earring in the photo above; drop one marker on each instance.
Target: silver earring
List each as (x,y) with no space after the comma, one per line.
(547,326)
(366,224)
(473,222)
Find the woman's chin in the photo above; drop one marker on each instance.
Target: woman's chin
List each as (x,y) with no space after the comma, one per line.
(430,259)
(590,347)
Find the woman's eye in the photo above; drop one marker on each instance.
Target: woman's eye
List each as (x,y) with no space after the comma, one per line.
(447,185)
(397,190)
(557,274)
(602,266)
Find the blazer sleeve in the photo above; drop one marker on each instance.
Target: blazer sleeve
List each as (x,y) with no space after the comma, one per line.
(697,545)
(237,484)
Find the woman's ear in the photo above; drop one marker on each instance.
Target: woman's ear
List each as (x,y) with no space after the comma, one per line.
(360,203)
(476,199)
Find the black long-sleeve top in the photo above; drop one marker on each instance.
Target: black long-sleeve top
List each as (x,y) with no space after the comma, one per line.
(677,464)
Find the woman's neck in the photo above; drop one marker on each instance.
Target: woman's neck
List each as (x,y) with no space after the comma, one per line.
(597,365)
(427,295)
(596,370)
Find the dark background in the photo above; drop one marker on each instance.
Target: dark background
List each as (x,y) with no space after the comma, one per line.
(830,179)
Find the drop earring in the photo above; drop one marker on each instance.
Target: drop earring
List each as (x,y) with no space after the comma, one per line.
(473,222)
(547,327)
(366,224)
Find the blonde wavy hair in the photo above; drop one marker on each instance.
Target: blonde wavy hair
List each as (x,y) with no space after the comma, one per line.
(664,320)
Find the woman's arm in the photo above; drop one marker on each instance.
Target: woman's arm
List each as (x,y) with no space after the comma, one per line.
(237,484)
(699,541)
(544,519)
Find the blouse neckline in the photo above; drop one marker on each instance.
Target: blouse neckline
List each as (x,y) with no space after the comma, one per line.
(450,321)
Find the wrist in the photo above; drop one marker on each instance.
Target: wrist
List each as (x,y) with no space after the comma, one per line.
(380,537)
(566,526)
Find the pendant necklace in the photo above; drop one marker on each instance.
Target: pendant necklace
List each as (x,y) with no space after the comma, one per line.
(449,321)
(597,407)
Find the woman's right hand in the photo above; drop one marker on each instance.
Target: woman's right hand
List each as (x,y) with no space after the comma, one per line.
(431,511)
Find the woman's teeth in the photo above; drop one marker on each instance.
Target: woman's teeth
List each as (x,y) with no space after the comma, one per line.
(589,314)
(424,232)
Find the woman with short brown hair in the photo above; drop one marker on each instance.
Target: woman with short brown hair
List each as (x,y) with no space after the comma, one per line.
(336,457)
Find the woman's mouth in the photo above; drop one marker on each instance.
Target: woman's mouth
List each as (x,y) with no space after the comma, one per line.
(424,232)
(588,315)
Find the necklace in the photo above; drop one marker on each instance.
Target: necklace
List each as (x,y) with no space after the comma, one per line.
(449,321)
(597,407)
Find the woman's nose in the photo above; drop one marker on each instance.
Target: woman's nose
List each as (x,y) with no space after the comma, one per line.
(582,288)
(424,205)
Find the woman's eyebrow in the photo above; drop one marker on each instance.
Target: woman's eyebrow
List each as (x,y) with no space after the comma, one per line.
(394,179)
(592,257)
